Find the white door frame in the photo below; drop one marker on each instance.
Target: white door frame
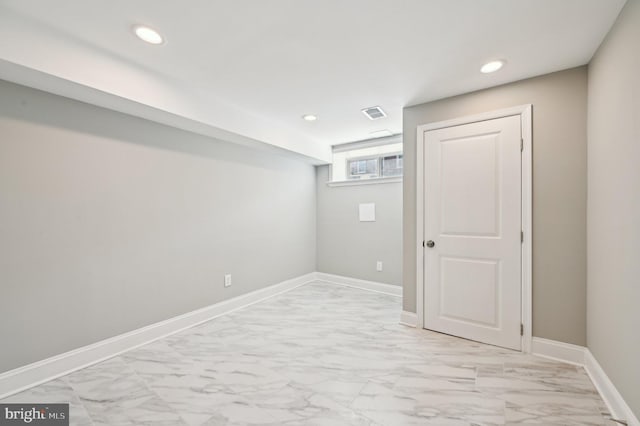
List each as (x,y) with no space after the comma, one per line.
(525,113)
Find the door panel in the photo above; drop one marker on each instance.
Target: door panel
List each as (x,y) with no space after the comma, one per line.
(473,215)
(455,275)
(463,185)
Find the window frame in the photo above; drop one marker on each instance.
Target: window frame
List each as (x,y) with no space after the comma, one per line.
(343,158)
(379,160)
(366,157)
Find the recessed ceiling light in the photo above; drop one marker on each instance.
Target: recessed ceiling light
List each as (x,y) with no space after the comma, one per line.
(310,117)
(148,34)
(492,66)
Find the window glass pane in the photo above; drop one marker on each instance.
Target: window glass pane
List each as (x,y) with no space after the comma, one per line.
(372,166)
(392,165)
(353,167)
(363,168)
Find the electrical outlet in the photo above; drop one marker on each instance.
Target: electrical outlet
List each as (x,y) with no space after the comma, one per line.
(227,280)
(379,266)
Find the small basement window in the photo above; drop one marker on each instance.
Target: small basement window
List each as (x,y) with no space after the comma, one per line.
(363,168)
(379,158)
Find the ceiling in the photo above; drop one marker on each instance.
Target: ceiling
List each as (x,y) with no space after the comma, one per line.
(247,70)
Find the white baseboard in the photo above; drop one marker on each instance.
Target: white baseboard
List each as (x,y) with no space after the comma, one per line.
(618,408)
(393,290)
(579,355)
(30,375)
(559,351)
(409,319)
(22,378)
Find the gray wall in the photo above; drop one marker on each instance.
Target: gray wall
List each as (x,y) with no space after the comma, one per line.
(109,223)
(613,210)
(559,192)
(351,248)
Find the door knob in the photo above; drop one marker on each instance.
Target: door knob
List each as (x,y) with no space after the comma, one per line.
(431,244)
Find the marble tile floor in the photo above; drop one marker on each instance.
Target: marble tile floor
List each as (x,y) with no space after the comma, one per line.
(322,354)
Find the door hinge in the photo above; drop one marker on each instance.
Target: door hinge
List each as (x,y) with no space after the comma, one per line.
(521,144)
(522,236)
(522,329)
(423,244)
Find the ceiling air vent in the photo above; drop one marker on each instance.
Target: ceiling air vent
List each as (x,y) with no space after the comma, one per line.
(374,113)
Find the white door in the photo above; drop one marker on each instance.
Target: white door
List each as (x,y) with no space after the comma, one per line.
(473,224)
